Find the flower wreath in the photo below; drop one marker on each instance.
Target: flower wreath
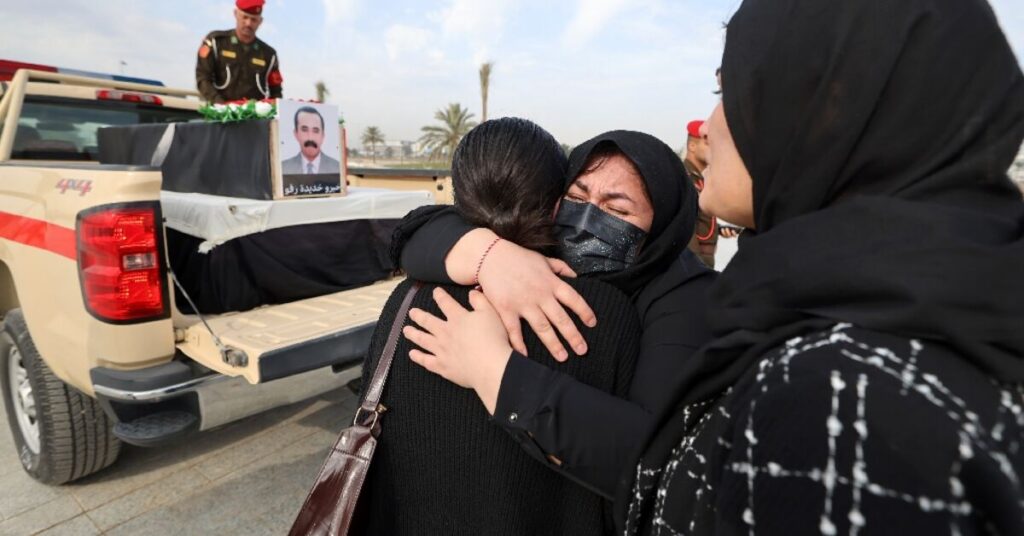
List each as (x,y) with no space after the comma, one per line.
(239,110)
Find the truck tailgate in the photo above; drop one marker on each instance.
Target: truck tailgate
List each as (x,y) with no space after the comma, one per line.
(281,340)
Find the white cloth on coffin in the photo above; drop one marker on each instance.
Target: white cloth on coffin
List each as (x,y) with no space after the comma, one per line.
(218,219)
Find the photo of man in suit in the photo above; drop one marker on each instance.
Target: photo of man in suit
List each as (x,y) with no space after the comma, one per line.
(309,132)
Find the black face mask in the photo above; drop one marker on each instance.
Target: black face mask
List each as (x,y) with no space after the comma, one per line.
(592,241)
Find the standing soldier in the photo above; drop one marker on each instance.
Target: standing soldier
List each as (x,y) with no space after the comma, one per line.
(234,64)
(705,238)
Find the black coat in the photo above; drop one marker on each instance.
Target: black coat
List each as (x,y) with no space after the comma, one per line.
(840,431)
(593,434)
(442,466)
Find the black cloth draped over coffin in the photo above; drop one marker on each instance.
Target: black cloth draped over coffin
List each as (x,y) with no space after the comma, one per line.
(225,159)
(280,265)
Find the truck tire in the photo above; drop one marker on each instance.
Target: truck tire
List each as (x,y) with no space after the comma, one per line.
(60,433)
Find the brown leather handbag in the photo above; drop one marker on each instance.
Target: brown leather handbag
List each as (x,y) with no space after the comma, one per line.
(330,506)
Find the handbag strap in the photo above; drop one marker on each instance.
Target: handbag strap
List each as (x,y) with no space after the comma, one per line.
(371,402)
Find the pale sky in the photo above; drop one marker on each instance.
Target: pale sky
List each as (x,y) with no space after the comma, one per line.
(576,67)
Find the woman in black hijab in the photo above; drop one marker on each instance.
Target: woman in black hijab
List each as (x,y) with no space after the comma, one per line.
(867,375)
(587,434)
(441,467)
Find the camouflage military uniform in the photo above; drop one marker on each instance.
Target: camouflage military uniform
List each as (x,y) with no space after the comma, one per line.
(705,238)
(228,69)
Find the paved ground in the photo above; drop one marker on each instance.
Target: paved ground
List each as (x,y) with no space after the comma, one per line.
(248,477)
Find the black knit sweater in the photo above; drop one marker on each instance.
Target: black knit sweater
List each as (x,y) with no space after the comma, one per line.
(442,466)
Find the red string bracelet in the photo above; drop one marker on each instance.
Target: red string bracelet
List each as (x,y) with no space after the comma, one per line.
(711,232)
(479,265)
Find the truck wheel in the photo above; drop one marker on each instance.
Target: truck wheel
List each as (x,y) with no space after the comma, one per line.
(61,434)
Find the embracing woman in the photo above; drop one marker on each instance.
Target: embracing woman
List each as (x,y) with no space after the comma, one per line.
(866,375)
(625,218)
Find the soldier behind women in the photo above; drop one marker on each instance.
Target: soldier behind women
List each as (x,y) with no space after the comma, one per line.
(705,237)
(235,64)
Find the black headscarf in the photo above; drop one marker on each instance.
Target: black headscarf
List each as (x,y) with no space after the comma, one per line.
(675,213)
(878,134)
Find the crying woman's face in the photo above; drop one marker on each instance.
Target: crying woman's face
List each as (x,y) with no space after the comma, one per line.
(615,186)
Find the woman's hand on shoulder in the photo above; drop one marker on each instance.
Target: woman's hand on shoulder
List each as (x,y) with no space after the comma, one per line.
(523,284)
(467,348)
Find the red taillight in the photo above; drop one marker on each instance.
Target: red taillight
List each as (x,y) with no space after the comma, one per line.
(119,261)
(140,98)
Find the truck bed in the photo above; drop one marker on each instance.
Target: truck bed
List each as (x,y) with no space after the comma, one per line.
(281,340)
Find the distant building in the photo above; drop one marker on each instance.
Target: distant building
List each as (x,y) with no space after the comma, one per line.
(440,153)
(392,150)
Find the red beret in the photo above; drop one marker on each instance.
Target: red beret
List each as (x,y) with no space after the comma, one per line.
(253,7)
(693,128)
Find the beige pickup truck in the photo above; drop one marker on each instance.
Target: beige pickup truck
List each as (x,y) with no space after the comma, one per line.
(93,350)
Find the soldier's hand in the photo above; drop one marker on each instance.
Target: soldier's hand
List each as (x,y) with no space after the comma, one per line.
(725,231)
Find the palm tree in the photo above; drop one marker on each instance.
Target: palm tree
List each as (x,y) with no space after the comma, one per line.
(485,85)
(372,136)
(441,140)
(321,91)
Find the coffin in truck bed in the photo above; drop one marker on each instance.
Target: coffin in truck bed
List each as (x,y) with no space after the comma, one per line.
(237,254)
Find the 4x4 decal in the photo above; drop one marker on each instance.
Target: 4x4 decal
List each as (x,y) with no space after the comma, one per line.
(75,185)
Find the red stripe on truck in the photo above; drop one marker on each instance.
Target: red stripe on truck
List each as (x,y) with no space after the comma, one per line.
(38,234)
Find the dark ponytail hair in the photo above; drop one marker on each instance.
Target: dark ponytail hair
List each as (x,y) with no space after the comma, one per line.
(507,175)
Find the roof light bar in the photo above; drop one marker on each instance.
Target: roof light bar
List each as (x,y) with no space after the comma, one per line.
(9,67)
(126,96)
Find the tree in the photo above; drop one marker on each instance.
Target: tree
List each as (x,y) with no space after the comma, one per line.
(441,140)
(321,91)
(485,85)
(372,136)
